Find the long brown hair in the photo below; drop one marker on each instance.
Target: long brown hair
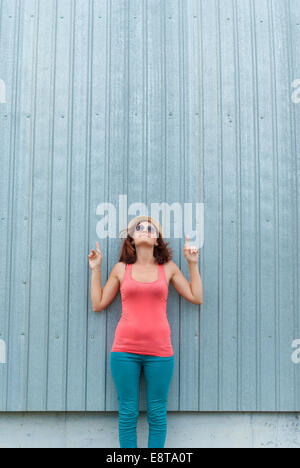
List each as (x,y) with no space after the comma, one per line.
(162,252)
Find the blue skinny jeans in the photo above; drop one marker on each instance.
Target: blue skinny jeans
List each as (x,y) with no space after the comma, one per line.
(126,371)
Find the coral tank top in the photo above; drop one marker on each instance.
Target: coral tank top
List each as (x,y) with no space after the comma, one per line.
(143,327)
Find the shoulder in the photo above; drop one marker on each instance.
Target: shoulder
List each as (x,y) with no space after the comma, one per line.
(170,264)
(119,267)
(118,270)
(170,267)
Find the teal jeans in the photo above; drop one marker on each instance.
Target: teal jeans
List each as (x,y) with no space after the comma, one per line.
(126,371)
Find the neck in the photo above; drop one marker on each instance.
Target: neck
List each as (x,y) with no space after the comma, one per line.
(144,255)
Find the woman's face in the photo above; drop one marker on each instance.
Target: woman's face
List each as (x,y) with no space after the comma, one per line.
(145,232)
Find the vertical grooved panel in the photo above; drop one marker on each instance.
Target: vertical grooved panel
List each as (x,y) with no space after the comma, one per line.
(122,106)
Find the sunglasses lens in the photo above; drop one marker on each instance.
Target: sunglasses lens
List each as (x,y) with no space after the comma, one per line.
(150,229)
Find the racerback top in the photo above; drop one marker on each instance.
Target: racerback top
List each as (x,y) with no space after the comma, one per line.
(143,327)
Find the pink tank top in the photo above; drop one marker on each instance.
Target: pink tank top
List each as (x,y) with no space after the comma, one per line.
(143,327)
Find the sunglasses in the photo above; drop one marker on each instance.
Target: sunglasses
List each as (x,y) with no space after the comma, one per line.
(150,228)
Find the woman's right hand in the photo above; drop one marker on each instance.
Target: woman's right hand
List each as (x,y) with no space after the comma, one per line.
(95,258)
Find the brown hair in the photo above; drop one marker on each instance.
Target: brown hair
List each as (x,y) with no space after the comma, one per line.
(162,252)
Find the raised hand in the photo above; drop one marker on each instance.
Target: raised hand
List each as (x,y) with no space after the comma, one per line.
(95,258)
(190,251)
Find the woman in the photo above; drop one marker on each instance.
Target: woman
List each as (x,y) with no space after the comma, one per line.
(143,335)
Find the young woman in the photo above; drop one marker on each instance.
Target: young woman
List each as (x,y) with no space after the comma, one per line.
(143,335)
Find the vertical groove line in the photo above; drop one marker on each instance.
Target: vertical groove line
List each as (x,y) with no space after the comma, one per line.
(199,13)
(69,182)
(89,111)
(51,140)
(12,165)
(33,94)
(181,126)
(257,207)
(164,87)
(296,208)
(107,138)
(145,112)
(238,207)
(220,199)
(203,171)
(275,206)
(127,68)
(145,159)
(166,110)
(1,16)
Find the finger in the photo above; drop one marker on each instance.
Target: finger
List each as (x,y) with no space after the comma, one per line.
(187,238)
(98,246)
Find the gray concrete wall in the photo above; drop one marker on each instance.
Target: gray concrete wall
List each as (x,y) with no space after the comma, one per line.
(92,430)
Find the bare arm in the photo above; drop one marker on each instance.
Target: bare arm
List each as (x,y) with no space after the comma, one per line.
(192,291)
(101,298)
(96,289)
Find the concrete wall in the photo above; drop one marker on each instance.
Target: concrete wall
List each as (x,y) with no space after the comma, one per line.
(187,429)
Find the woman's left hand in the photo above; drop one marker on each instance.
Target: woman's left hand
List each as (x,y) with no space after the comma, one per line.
(190,251)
